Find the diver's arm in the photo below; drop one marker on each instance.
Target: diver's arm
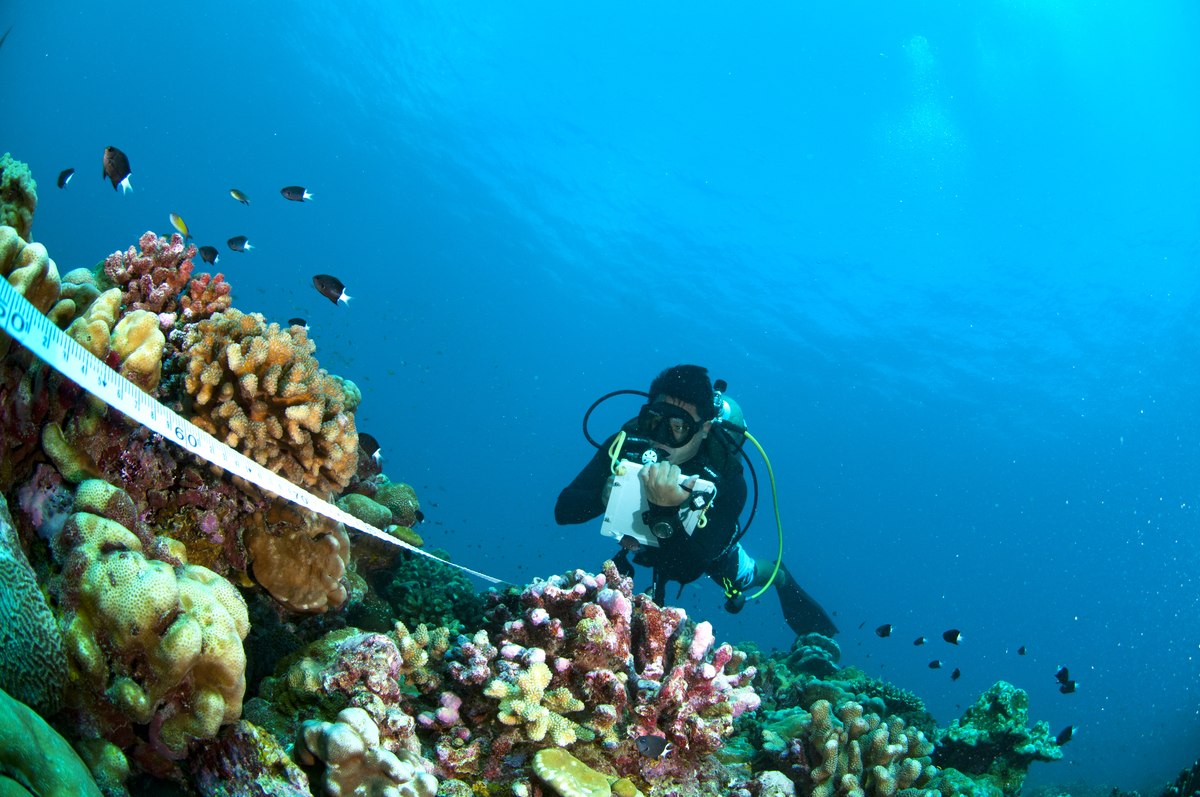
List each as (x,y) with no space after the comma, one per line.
(583,498)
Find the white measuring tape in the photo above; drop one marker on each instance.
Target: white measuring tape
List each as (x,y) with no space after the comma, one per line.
(59,350)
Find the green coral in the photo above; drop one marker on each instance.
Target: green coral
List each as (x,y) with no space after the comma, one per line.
(36,760)
(993,739)
(18,195)
(525,702)
(423,590)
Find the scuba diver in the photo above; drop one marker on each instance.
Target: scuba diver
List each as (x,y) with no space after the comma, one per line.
(686,441)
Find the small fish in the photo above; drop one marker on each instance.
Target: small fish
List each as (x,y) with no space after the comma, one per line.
(295,193)
(369,445)
(209,253)
(180,225)
(239,244)
(653,746)
(954,676)
(5,36)
(331,288)
(952,636)
(860,625)
(64,177)
(239,196)
(1062,676)
(300,322)
(420,516)
(1021,651)
(116,169)
(884,630)
(920,641)
(1067,688)
(935,665)
(1065,736)
(630,543)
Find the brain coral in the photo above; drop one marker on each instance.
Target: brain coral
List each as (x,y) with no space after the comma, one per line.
(18,195)
(259,389)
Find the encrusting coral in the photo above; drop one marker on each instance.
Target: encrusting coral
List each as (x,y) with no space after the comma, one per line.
(18,195)
(355,761)
(258,389)
(299,557)
(138,343)
(92,329)
(148,641)
(29,269)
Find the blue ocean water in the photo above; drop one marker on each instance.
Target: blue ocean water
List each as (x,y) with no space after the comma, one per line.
(945,255)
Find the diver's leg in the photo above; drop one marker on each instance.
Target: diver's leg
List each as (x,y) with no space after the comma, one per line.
(803,614)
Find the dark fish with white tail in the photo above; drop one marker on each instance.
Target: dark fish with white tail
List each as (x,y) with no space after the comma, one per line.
(300,322)
(653,746)
(296,193)
(369,446)
(209,253)
(116,169)
(64,177)
(240,244)
(331,288)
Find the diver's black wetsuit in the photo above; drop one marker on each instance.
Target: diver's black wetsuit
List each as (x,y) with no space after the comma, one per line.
(682,557)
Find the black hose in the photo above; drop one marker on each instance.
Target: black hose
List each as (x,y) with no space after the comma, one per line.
(597,403)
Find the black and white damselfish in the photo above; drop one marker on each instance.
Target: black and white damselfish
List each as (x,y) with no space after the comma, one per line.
(64,177)
(116,169)
(331,288)
(296,193)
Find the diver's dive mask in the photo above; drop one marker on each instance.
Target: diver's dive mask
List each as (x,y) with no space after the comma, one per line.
(668,424)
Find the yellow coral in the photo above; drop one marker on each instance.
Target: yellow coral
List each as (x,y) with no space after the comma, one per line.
(18,195)
(299,557)
(569,776)
(93,329)
(79,289)
(524,702)
(356,762)
(145,634)
(258,388)
(139,343)
(29,269)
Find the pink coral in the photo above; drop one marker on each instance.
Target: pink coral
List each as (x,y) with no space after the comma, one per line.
(153,278)
(206,295)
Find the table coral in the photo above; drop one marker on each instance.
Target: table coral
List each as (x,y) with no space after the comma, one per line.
(356,764)
(259,389)
(33,662)
(36,760)
(152,278)
(299,557)
(148,642)
(18,195)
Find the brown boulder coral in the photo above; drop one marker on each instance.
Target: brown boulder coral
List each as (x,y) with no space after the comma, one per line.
(299,557)
(29,269)
(259,389)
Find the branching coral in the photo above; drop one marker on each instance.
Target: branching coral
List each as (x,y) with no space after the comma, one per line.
(153,278)
(258,389)
(205,297)
(18,195)
(357,764)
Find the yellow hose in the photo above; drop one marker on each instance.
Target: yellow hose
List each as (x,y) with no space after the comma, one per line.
(778,522)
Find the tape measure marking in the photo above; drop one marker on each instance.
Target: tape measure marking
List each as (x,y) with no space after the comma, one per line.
(61,352)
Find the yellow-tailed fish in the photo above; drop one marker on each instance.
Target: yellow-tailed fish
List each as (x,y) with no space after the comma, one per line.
(239,196)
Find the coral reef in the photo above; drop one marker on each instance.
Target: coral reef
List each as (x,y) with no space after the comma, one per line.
(138,343)
(455,605)
(258,389)
(36,760)
(152,279)
(205,297)
(355,761)
(18,196)
(401,500)
(33,662)
(993,739)
(29,269)
(299,557)
(92,329)
(149,642)
(246,760)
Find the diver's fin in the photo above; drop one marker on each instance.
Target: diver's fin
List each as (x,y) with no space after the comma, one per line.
(803,614)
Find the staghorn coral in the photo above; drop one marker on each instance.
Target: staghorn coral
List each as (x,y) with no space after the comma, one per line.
(299,557)
(147,642)
(36,760)
(29,269)
(18,196)
(258,389)
(206,296)
(32,660)
(356,764)
(153,278)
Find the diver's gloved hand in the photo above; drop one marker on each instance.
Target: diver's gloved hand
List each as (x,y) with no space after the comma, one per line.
(735,603)
(661,483)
